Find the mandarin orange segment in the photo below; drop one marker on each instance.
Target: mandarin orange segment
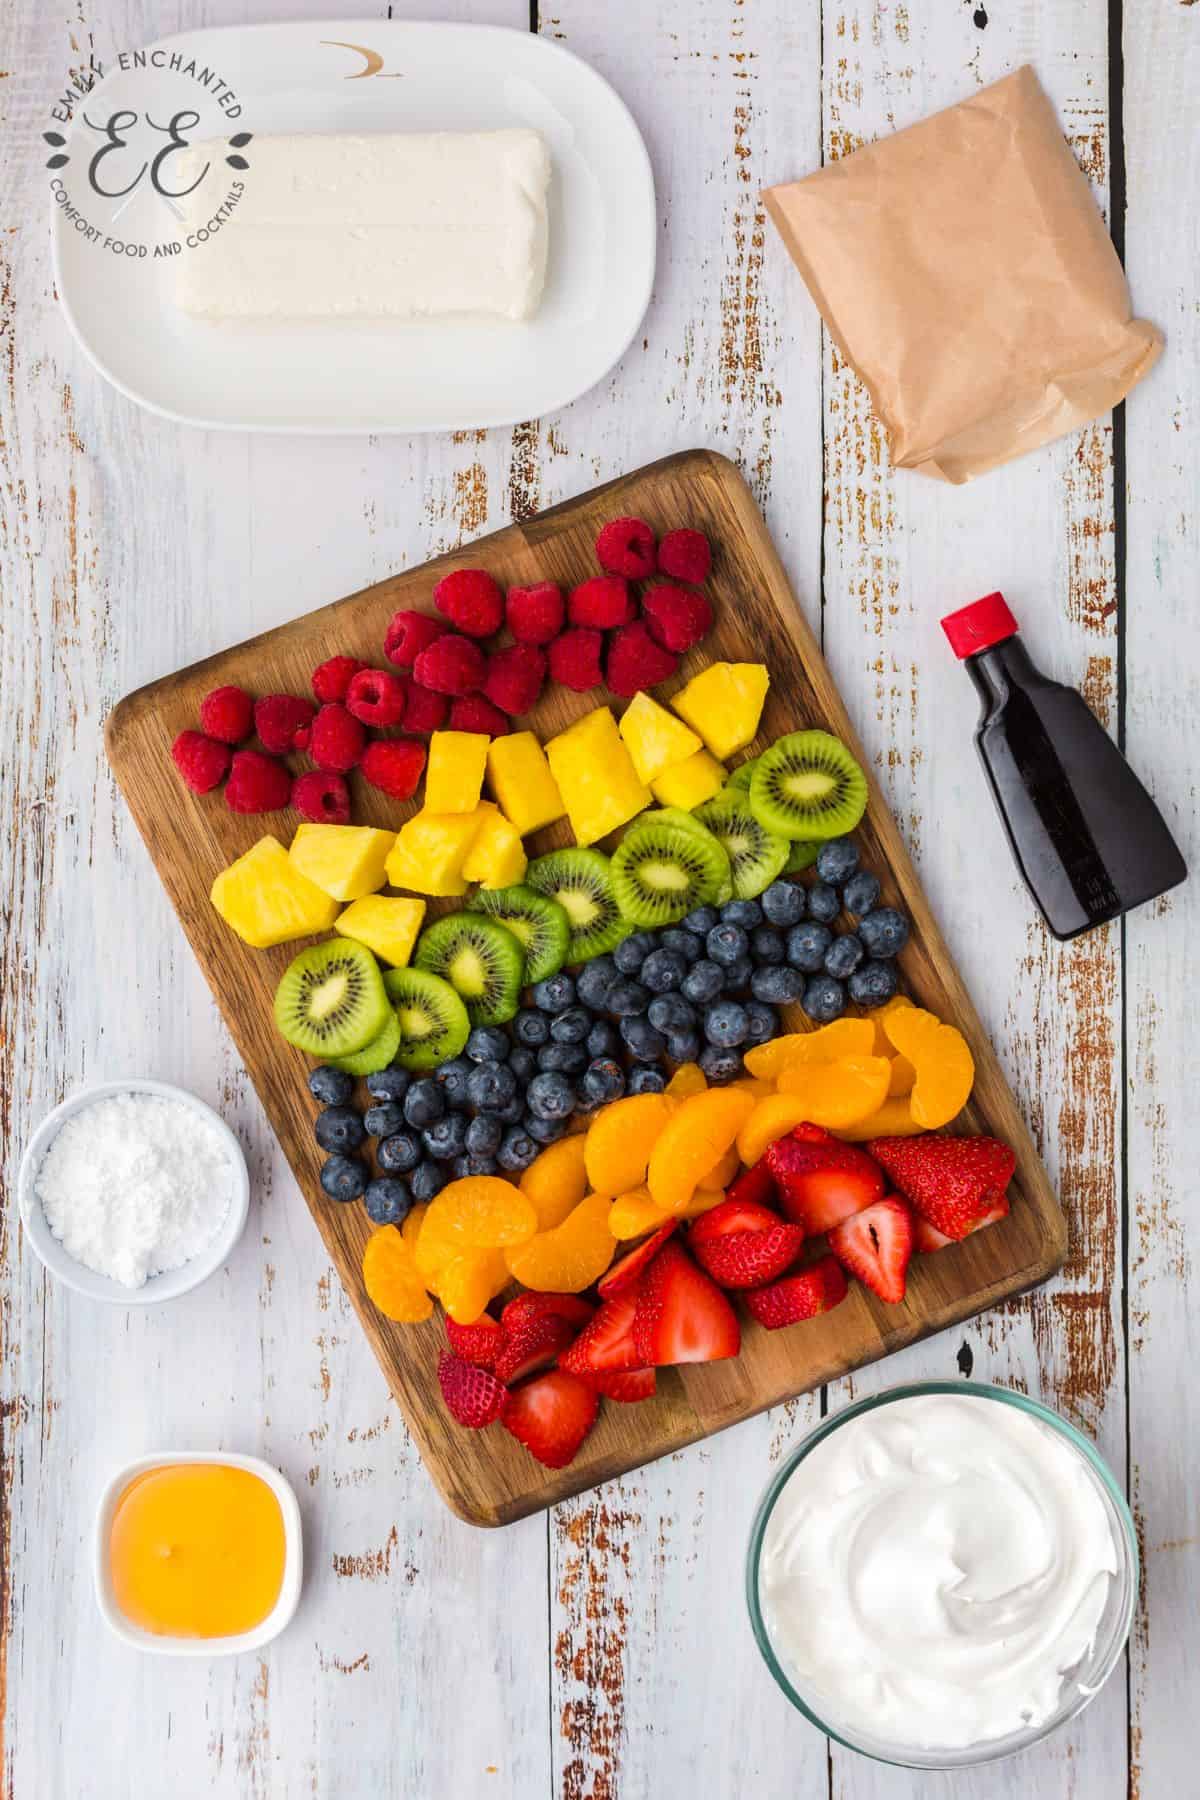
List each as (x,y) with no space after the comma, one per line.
(902,1076)
(482,1212)
(754,1085)
(556,1181)
(621,1139)
(702,1201)
(842,1092)
(723,1170)
(845,1037)
(410,1231)
(883,1043)
(945,1071)
(392,1279)
(894,1119)
(772,1118)
(634,1214)
(694,1140)
(436,1245)
(907,1028)
(469,1281)
(572,1256)
(687,1080)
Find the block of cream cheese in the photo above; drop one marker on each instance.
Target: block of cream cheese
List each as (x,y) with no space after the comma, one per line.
(417,226)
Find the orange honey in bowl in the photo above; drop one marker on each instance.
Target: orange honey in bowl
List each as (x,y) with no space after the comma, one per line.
(197,1550)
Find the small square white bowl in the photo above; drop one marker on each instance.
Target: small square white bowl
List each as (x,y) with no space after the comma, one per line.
(281,1613)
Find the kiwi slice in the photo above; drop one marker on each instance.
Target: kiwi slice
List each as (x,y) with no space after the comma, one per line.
(331,1000)
(581,882)
(433,1020)
(803,856)
(741,775)
(481,959)
(661,872)
(373,1056)
(807,785)
(539,923)
(686,821)
(756,855)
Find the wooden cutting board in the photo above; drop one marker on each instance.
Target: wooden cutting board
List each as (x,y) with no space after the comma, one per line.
(487,1477)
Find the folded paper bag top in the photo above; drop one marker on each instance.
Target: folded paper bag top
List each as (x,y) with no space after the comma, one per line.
(963,269)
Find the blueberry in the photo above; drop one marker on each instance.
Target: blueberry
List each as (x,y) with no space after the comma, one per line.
(726,942)
(843,956)
(553,995)
(594,981)
(603,1080)
(806,946)
(645,1044)
(563,1059)
(339,1128)
(447,1139)
(701,922)
(387,1200)
(823,903)
(777,987)
(874,983)
(514,1112)
(543,1131)
(632,951)
(767,945)
(452,1077)
(424,1103)
(646,1080)
(663,971)
(483,1134)
(384,1120)
(670,1012)
(725,1024)
(884,931)
(703,982)
(824,999)
(720,1066)
(572,1026)
(746,913)
(388,1084)
(344,1177)
(399,1154)
(332,1087)
(491,1085)
(737,975)
(784,903)
(468,1165)
(518,1149)
(761,1022)
(531,1028)
(684,1046)
(682,943)
(628,999)
(428,1179)
(602,1040)
(550,1096)
(837,859)
(860,893)
(487,1043)
(523,1064)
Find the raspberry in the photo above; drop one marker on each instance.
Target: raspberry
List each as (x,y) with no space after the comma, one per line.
(394,766)
(376,697)
(535,614)
(228,714)
(202,761)
(514,677)
(408,634)
(470,599)
(685,555)
(626,547)
(473,713)
(677,617)
(451,665)
(322,797)
(603,601)
(575,660)
(332,678)
(635,661)
(424,710)
(337,739)
(257,783)
(282,722)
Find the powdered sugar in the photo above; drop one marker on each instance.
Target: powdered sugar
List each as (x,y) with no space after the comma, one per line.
(136,1184)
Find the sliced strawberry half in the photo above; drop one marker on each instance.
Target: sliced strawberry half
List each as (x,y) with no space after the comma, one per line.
(532,1305)
(730,1216)
(623,1384)
(532,1346)
(927,1237)
(756,1184)
(551,1415)
(478,1343)
(813,1291)
(747,1259)
(820,1180)
(877,1246)
(473,1396)
(952,1181)
(682,1316)
(606,1343)
(625,1273)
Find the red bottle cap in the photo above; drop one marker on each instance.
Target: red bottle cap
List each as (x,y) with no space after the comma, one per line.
(978,626)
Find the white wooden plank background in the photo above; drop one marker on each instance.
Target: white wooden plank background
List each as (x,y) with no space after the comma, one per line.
(600,1653)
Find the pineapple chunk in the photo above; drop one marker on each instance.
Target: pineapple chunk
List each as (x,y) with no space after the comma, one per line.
(497,857)
(656,741)
(385,923)
(454,777)
(689,784)
(521,780)
(430,851)
(724,704)
(596,776)
(266,899)
(346,861)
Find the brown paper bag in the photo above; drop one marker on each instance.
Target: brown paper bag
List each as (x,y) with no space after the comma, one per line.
(963,269)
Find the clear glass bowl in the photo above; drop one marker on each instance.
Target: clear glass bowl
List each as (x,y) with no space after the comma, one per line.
(1086,1679)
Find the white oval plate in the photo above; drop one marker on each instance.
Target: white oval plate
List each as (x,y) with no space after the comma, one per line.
(345,376)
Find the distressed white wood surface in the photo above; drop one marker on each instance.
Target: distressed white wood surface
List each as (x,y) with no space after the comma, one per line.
(602,1652)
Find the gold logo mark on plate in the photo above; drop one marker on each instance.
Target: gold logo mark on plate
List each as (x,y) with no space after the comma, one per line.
(373,62)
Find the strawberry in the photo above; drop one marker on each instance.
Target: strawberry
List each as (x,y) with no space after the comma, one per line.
(757,1184)
(682,1316)
(746,1259)
(814,1290)
(821,1181)
(927,1237)
(473,1396)
(622,1384)
(478,1343)
(952,1181)
(531,1305)
(606,1343)
(729,1216)
(877,1245)
(551,1415)
(532,1346)
(625,1273)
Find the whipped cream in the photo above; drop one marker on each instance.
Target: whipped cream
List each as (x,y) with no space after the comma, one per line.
(933,1572)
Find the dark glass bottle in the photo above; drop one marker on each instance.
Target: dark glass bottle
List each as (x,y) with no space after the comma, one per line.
(1088,839)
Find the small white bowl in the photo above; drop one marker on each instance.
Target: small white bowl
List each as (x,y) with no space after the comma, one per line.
(280,1614)
(171,1282)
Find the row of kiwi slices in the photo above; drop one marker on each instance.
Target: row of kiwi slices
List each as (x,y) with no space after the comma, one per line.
(334,1002)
